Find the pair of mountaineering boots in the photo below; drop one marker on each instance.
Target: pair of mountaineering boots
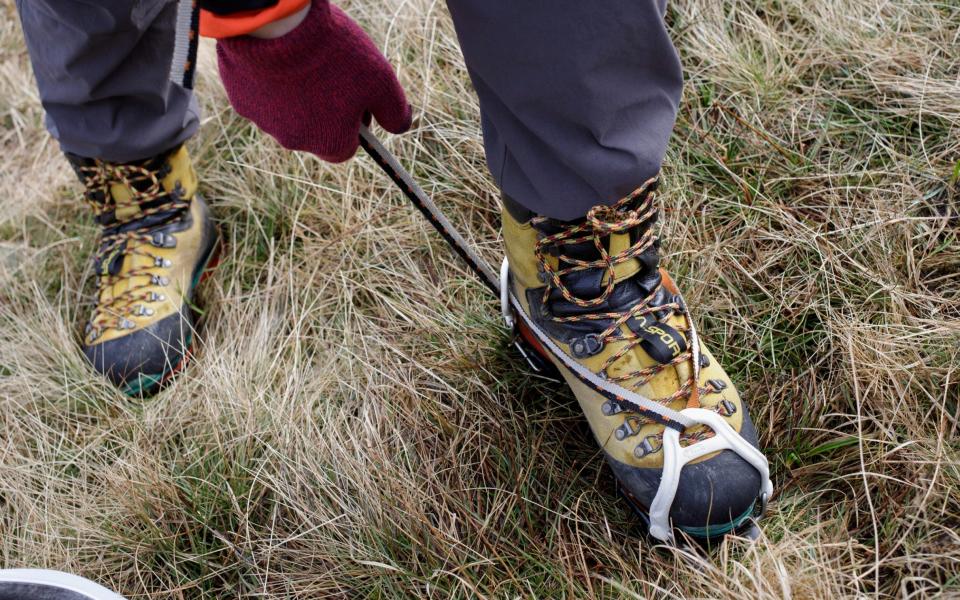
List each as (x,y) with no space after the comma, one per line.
(674,430)
(595,289)
(156,241)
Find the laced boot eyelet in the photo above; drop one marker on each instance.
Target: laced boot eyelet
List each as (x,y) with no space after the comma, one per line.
(649,445)
(143,311)
(610,408)
(165,263)
(586,346)
(542,274)
(159,280)
(726,408)
(156,297)
(630,428)
(718,385)
(678,299)
(163,240)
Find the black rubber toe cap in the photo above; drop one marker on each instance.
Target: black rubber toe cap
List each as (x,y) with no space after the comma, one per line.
(711,492)
(151,352)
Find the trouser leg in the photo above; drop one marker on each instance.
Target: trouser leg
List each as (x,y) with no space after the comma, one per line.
(577,99)
(114,75)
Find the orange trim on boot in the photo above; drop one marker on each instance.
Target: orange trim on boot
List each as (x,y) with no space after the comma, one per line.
(242,23)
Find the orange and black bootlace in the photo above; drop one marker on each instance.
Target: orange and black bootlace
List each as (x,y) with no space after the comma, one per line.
(635,212)
(129,228)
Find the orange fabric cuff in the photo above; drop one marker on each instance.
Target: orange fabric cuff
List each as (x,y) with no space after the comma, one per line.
(223,26)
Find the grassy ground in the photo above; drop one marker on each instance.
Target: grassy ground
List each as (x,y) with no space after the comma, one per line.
(355,426)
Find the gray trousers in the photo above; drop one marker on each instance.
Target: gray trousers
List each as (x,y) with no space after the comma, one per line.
(578,99)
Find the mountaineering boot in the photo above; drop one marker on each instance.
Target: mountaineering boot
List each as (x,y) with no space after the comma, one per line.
(595,288)
(156,242)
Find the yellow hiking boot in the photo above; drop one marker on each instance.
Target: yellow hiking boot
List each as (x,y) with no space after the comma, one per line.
(592,291)
(156,243)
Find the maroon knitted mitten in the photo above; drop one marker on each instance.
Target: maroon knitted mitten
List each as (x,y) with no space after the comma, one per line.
(312,88)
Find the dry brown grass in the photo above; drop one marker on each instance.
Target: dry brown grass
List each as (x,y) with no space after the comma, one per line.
(354,425)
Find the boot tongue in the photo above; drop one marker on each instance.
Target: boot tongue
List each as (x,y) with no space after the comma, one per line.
(123,203)
(635,280)
(632,277)
(125,210)
(128,205)
(130,214)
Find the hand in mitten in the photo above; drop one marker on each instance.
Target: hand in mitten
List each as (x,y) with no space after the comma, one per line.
(312,87)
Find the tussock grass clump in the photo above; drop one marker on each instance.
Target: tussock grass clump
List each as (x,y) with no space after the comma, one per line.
(354,424)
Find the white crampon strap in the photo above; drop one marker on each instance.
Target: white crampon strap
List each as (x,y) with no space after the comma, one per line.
(675,457)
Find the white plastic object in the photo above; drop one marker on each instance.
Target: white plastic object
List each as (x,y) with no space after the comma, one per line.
(45,578)
(675,458)
(506,309)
